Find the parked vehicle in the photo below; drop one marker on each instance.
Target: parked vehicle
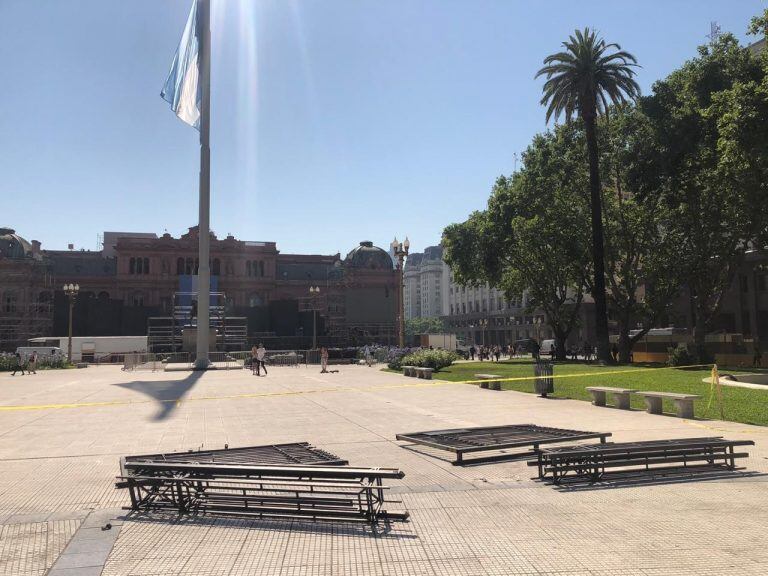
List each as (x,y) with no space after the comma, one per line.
(547,347)
(43,352)
(94,348)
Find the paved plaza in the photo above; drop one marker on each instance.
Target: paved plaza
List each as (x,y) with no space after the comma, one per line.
(59,455)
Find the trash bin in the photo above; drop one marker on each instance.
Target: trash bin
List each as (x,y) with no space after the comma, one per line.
(544,382)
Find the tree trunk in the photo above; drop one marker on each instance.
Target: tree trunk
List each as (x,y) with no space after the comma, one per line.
(699,333)
(625,346)
(598,250)
(560,347)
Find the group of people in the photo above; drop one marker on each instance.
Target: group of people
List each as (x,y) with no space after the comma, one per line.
(492,353)
(22,363)
(259,359)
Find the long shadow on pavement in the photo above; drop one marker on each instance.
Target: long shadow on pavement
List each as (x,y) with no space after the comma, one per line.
(383,530)
(167,393)
(634,481)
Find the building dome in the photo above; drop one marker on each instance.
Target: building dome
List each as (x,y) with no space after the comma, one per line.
(12,245)
(368,256)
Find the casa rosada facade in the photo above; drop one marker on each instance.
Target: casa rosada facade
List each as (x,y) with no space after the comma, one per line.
(136,277)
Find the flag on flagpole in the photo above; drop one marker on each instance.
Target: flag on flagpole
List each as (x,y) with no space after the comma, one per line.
(182,89)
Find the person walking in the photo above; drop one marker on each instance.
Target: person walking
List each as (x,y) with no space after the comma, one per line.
(254,360)
(261,355)
(367,354)
(472,351)
(32,366)
(324,360)
(615,353)
(757,357)
(19,365)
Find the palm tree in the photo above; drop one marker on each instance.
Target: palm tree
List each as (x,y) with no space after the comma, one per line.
(585,79)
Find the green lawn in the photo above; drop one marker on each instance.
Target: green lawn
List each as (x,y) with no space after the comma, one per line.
(741,404)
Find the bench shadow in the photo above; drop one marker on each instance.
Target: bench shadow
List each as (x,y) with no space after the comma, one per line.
(167,393)
(494,458)
(630,481)
(385,528)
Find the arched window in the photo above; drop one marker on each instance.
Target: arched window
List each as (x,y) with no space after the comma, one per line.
(216,268)
(132,266)
(146,265)
(180,266)
(103,295)
(248,268)
(261,268)
(139,266)
(188,270)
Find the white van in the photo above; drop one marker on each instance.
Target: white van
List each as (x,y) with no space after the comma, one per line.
(547,347)
(43,352)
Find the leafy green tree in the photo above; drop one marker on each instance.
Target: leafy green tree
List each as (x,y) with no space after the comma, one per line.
(584,79)
(416,326)
(640,248)
(709,120)
(532,238)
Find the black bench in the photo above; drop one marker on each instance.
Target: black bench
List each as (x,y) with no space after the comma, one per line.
(261,491)
(596,462)
(463,441)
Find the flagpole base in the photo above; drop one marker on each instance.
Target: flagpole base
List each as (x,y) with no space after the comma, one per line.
(202,364)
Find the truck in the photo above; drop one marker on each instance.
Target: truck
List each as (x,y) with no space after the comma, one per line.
(444,341)
(94,348)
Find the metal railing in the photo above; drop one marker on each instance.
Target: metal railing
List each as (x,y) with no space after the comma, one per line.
(242,359)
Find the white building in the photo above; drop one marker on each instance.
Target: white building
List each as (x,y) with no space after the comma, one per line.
(426,278)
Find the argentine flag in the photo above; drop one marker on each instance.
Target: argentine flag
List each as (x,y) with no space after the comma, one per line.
(182,89)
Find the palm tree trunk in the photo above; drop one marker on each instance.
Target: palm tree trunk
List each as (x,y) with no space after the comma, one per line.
(598,251)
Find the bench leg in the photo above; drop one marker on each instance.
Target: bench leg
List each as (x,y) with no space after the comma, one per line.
(652,405)
(684,408)
(598,397)
(621,401)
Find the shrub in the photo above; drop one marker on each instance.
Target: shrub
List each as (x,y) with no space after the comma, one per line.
(435,359)
(395,357)
(680,356)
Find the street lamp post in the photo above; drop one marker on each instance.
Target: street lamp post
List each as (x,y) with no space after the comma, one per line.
(400,250)
(71,290)
(314,290)
(483,326)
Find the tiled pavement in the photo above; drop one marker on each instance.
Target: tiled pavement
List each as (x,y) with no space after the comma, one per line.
(58,460)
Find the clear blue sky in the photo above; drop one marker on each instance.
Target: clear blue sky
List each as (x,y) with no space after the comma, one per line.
(333,121)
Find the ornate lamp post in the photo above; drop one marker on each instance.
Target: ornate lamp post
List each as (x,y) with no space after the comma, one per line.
(400,250)
(314,291)
(71,292)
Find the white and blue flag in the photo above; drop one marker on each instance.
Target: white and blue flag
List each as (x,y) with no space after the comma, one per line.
(182,89)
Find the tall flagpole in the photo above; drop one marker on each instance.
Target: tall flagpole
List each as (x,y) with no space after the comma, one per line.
(204,271)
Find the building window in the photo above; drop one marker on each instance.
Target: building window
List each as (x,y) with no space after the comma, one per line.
(261,268)
(188,267)
(9,302)
(216,268)
(179,266)
(137,299)
(248,270)
(132,266)
(146,265)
